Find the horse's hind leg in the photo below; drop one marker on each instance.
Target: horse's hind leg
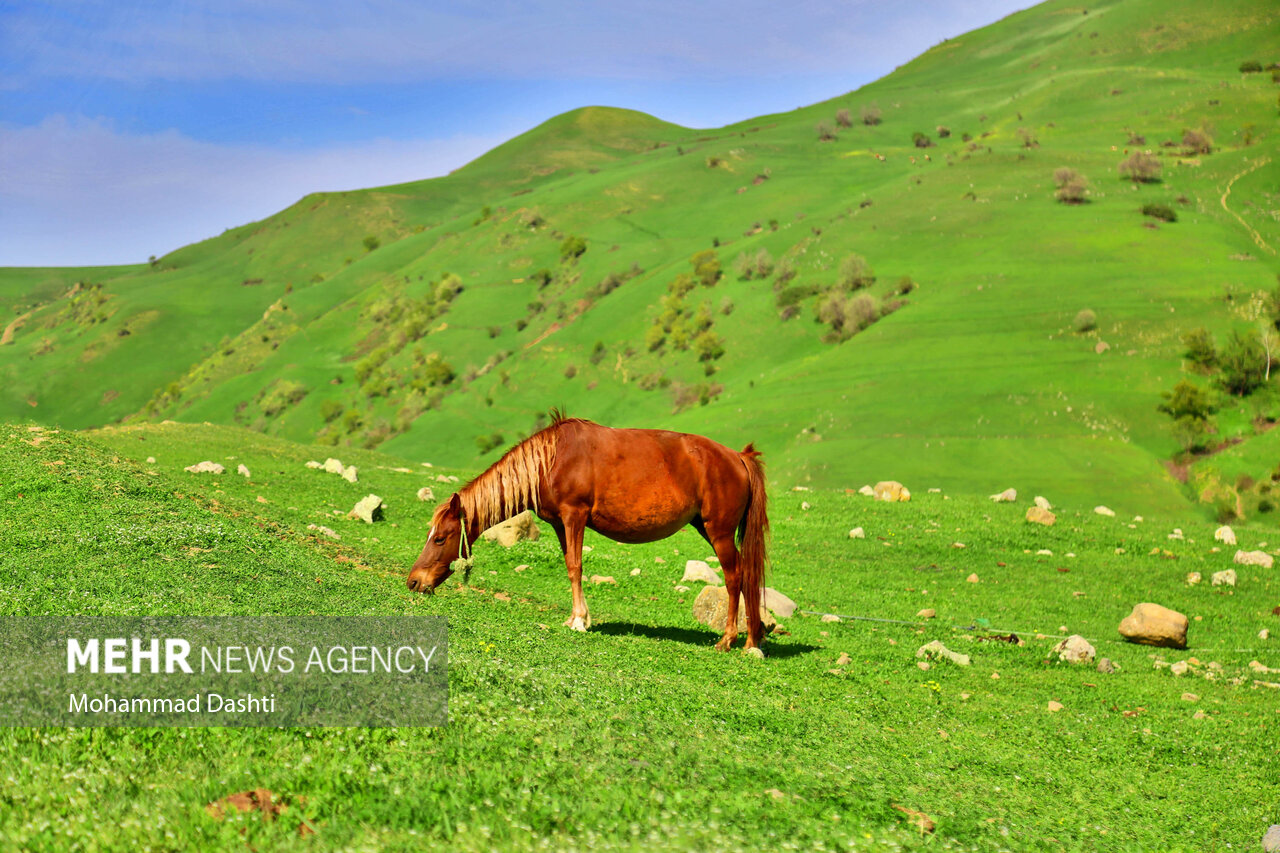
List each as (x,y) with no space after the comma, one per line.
(727,552)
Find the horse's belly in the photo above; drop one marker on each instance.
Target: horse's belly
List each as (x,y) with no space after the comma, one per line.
(640,523)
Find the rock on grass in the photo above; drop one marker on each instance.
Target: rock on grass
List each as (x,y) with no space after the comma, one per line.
(1153,625)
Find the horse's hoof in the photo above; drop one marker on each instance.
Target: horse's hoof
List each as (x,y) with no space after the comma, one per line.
(754,652)
(723,645)
(577,623)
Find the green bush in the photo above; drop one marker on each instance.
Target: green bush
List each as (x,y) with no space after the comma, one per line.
(1250,66)
(1243,362)
(855,273)
(1086,321)
(870,115)
(1160,211)
(921,140)
(1201,349)
(572,248)
(1140,168)
(1072,187)
(330,410)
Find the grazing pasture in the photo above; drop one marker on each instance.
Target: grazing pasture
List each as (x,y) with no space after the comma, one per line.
(638,734)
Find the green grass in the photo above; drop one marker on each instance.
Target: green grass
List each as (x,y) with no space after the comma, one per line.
(638,734)
(979,376)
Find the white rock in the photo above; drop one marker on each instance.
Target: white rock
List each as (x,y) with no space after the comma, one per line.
(781,606)
(829,617)
(857,533)
(635,573)
(1007,496)
(935,491)
(349,474)
(151,460)
(697,570)
(1271,840)
(891,490)
(1225,535)
(242,470)
(804,505)
(1193,578)
(868,491)
(682,589)
(1224,578)
(205,467)
(1044,552)
(935,650)
(324,531)
(1102,510)
(368,509)
(1075,649)
(314,464)
(1254,558)
(425,494)
(1264,634)
(333,466)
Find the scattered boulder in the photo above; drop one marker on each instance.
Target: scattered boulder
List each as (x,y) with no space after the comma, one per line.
(1244,558)
(513,530)
(333,466)
(697,570)
(1040,515)
(927,613)
(1225,535)
(323,531)
(857,533)
(891,490)
(1075,649)
(151,460)
(242,470)
(1100,347)
(1007,496)
(1054,706)
(934,650)
(599,579)
(1153,625)
(1224,578)
(1193,578)
(205,467)
(1106,666)
(868,491)
(843,660)
(777,602)
(1102,510)
(425,494)
(1180,667)
(711,608)
(635,573)
(314,464)
(349,474)
(806,506)
(973,578)
(1176,534)
(829,617)
(1042,502)
(1271,841)
(369,509)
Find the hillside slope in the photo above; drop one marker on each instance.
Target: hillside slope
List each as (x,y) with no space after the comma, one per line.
(440,317)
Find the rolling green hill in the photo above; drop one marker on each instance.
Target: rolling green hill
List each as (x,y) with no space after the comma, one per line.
(438,318)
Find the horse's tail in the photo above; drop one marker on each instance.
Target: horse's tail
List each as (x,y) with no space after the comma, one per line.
(753,529)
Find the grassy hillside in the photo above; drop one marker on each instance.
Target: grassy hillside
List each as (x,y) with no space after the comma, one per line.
(639,734)
(442,317)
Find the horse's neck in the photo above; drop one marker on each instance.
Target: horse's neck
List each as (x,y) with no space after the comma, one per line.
(487,503)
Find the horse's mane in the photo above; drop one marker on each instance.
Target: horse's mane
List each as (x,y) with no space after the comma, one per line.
(510,485)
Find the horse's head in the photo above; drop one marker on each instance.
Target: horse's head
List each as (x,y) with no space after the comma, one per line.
(444,542)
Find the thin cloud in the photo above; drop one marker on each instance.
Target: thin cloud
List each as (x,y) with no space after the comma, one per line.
(76,191)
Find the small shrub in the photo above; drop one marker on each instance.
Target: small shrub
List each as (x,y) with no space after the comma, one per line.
(1201,349)
(784,270)
(1072,186)
(826,133)
(1197,142)
(1243,362)
(541,278)
(371,242)
(1187,400)
(855,273)
(921,140)
(572,248)
(743,267)
(843,119)
(706,267)
(1028,138)
(654,338)
(1140,168)
(1160,211)
(330,410)
(570,372)
(1086,321)
(726,306)
(1250,66)
(488,442)
(708,345)
(905,285)
(870,115)
(598,353)
(943,131)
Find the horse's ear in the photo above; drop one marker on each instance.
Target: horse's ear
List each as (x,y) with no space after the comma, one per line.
(455,504)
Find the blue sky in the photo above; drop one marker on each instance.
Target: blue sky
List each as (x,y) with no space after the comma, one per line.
(131,128)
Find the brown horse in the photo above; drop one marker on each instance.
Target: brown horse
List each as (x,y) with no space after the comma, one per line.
(632,485)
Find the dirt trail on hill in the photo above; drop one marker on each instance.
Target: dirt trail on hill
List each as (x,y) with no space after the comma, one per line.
(1257,238)
(7,337)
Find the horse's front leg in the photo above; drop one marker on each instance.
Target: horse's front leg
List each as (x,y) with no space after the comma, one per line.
(571,533)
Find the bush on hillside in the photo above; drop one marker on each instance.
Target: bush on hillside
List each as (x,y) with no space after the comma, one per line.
(1250,66)
(1028,138)
(843,118)
(1140,167)
(1201,349)
(870,115)
(785,270)
(1072,186)
(846,315)
(921,140)
(330,410)
(706,267)
(855,273)
(943,131)
(572,248)
(826,133)
(1162,212)
(1197,142)
(1086,321)
(1244,363)
(488,442)
(371,242)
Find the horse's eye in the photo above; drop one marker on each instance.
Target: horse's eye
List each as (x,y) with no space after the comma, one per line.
(439,540)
